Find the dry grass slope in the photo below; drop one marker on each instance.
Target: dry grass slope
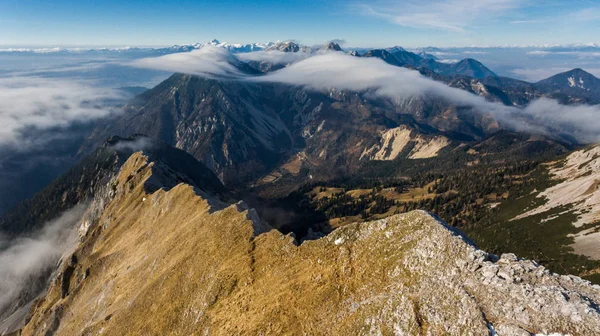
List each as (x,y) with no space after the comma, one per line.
(176,263)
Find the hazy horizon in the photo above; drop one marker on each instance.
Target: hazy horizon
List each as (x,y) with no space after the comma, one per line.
(376,23)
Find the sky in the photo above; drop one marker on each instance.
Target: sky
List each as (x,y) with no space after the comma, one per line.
(375,23)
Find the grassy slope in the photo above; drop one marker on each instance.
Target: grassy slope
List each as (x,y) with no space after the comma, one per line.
(533,237)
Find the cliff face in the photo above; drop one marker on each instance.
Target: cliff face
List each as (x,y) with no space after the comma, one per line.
(179,261)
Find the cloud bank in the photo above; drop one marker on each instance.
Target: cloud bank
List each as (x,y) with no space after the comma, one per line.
(273,56)
(344,72)
(28,104)
(576,53)
(207,61)
(579,121)
(139,144)
(24,260)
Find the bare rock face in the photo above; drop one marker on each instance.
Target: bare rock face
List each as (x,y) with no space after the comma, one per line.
(176,262)
(394,141)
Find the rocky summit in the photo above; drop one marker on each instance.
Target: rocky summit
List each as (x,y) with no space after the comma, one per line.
(157,256)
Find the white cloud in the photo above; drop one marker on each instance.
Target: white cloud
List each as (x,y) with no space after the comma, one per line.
(579,121)
(24,259)
(207,61)
(469,52)
(538,53)
(30,103)
(448,61)
(441,53)
(273,56)
(337,70)
(452,15)
(578,54)
(139,144)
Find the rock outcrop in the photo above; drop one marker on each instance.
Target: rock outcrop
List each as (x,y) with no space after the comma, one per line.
(394,141)
(178,261)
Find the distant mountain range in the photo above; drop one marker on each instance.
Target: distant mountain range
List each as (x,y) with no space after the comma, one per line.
(245,47)
(399,57)
(574,86)
(232,47)
(444,61)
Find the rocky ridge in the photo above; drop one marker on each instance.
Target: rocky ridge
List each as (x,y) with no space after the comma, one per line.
(178,260)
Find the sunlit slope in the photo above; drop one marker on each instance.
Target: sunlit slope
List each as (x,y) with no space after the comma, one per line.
(182,262)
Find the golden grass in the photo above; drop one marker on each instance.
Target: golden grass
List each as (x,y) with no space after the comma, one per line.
(170,265)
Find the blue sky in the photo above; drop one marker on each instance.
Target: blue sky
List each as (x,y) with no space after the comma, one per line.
(410,23)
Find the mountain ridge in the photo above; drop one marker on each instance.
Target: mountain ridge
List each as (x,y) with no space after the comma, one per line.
(239,256)
(228,257)
(92,174)
(400,57)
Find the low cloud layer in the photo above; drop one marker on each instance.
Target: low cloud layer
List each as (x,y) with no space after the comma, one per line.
(574,53)
(24,260)
(139,144)
(579,121)
(322,71)
(273,56)
(207,61)
(344,72)
(28,104)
